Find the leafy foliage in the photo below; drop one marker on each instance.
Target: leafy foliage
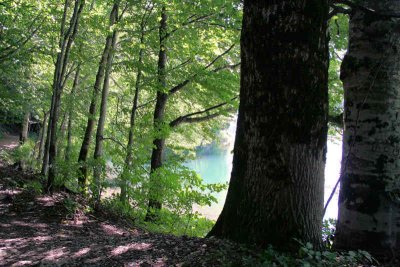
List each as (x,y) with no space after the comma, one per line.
(200,32)
(339,30)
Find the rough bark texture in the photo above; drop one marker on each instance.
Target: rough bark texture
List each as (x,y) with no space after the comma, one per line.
(276,188)
(87,138)
(159,112)
(369,193)
(98,150)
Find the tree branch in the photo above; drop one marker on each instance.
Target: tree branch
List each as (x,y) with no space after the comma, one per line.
(220,56)
(193,117)
(19,46)
(336,120)
(221,26)
(115,141)
(339,10)
(231,67)
(180,65)
(354,5)
(181,85)
(123,12)
(190,20)
(72,69)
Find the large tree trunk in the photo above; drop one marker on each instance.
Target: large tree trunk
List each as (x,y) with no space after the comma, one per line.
(158,120)
(277,183)
(369,204)
(84,151)
(98,150)
(67,39)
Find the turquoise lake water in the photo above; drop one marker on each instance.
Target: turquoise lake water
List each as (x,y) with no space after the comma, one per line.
(216,168)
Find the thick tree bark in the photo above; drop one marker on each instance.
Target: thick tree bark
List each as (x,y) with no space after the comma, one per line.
(158,119)
(87,139)
(98,150)
(276,188)
(369,203)
(58,84)
(23,136)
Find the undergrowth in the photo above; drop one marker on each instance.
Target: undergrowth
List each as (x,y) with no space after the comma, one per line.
(179,189)
(168,222)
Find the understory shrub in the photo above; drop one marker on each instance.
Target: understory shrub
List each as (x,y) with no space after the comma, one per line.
(178,188)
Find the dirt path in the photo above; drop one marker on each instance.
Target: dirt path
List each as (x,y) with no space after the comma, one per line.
(8,142)
(39,231)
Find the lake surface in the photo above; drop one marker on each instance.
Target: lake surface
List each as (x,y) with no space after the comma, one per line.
(216,168)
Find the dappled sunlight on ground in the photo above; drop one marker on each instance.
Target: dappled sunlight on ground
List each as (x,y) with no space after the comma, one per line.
(133,246)
(39,230)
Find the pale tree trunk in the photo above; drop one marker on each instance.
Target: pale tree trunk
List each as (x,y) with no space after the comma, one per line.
(130,145)
(70,113)
(158,120)
(277,182)
(45,164)
(62,130)
(23,136)
(67,39)
(369,204)
(98,150)
(84,151)
(25,128)
(43,136)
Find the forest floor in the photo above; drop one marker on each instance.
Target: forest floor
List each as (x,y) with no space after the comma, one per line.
(40,230)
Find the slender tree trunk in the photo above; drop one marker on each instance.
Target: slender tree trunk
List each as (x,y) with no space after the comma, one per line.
(129,147)
(25,128)
(159,112)
(45,164)
(43,136)
(98,150)
(70,113)
(23,136)
(58,85)
(277,183)
(84,151)
(369,205)
(62,130)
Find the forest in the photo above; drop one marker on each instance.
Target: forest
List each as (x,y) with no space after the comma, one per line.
(107,105)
